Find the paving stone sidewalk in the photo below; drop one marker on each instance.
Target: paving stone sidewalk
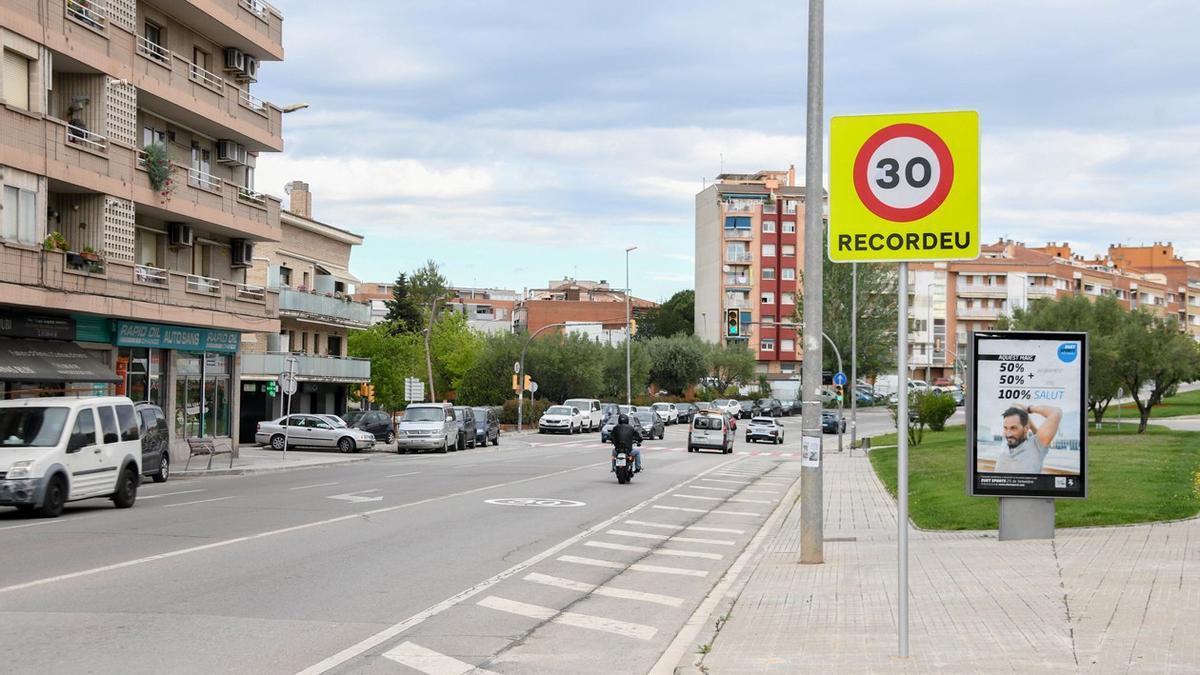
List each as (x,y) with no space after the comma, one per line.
(1103,600)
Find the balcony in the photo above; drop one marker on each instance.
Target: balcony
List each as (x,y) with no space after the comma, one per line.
(1042,291)
(739,257)
(739,233)
(197,195)
(309,368)
(307,306)
(981,290)
(737,280)
(116,288)
(986,313)
(253,26)
(737,303)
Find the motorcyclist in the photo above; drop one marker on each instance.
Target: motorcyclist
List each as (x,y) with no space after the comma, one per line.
(623,437)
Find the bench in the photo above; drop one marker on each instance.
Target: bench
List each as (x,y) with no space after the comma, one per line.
(205,446)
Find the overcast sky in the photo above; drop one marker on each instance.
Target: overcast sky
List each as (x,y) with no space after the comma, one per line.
(521,141)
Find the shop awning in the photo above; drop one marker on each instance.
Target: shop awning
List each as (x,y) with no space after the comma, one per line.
(50,361)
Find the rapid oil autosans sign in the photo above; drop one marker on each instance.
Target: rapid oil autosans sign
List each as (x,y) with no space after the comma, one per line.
(904,187)
(1028,415)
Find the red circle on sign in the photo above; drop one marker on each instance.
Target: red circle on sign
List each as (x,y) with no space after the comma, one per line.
(940,191)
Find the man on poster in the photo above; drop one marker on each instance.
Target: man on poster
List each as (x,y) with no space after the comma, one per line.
(1028,444)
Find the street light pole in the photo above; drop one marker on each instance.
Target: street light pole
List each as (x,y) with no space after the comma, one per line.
(628,334)
(853,355)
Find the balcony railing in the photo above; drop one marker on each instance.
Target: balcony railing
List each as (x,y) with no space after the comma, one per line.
(151,276)
(251,293)
(251,101)
(323,308)
(308,367)
(738,233)
(731,280)
(85,138)
(201,179)
(981,289)
(199,284)
(979,312)
(154,51)
(1042,290)
(87,12)
(203,76)
(737,303)
(251,196)
(739,256)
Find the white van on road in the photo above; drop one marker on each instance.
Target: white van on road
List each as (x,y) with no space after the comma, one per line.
(593,418)
(55,450)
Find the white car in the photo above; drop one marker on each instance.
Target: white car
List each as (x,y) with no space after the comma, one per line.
(316,431)
(593,417)
(561,419)
(728,405)
(666,412)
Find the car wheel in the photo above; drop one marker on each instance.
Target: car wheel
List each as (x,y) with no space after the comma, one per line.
(164,469)
(127,485)
(496,440)
(277,442)
(54,499)
(390,438)
(445,446)
(345,444)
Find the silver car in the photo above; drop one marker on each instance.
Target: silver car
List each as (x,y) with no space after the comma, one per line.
(314,431)
(427,426)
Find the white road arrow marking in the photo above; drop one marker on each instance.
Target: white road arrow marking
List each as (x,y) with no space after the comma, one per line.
(356,497)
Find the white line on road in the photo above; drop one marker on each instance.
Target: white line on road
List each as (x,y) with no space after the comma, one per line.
(765,492)
(718,480)
(707,499)
(169,494)
(665,537)
(607,591)
(698,528)
(739,500)
(678,508)
(37,523)
(639,567)
(398,628)
(397,475)
(314,485)
(735,513)
(430,662)
(654,551)
(716,489)
(624,628)
(198,501)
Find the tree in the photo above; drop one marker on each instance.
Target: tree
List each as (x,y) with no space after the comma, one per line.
(613,387)
(455,348)
(488,381)
(730,363)
(676,316)
(1153,353)
(676,363)
(403,313)
(428,284)
(566,366)
(393,358)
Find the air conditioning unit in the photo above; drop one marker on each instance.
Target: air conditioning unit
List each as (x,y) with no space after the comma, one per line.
(235,59)
(181,234)
(243,252)
(249,70)
(231,152)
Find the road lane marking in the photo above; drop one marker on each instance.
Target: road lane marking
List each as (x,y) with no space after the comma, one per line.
(397,475)
(678,508)
(765,492)
(198,501)
(716,489)
(623,628)
(735,513)
(357,497)
(654,551)
(666,537)
(657,569)
(35,524)
(169,494)
(430,662)
(607,591)
(707,499)
(698,528)
(718,480)
(396,629)
(314,485)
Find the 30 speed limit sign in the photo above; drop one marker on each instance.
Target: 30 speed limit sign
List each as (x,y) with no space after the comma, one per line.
(904,187)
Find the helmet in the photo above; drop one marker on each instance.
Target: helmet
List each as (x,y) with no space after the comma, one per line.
(623,419)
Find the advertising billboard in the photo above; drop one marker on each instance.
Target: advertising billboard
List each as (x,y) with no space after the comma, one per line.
(1027,415)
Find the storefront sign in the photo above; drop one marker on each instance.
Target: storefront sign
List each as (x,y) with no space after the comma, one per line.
(36,326)
(1028,415)
(184,338)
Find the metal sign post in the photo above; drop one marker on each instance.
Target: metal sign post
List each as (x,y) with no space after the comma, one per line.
(902,456)
(287,383)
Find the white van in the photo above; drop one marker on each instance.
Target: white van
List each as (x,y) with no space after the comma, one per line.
(593,419)
(427,426)
(55,450)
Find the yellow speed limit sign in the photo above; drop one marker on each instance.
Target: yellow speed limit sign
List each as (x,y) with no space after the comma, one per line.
(904,187)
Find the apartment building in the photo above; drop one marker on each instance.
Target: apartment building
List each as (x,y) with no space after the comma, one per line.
(128,138)
(488,310)
(749,254)
(309,267)
(949,300)
(590,307)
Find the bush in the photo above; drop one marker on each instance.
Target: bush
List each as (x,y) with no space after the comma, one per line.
(934,408)
(531,412)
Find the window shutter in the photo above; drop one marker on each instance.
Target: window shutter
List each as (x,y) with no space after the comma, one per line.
(16,80)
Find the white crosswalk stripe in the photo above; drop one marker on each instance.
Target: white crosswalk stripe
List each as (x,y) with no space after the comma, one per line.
(430,662)
(716,489)
(640,567)
(697,528)
(607,591)
(719,480)
(735,513)
(654,551)
(707,499)
(678,508)
(665,537)
(624,628)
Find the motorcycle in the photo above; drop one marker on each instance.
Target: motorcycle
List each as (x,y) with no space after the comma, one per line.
(624,464)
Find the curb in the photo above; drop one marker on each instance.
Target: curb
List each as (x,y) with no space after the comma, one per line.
(251,470)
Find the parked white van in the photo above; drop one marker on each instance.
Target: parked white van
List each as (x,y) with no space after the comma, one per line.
(60,449)
(593,418)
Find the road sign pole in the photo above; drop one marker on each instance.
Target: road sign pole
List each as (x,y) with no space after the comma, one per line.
(902,455)
(812,529)
(853,355)
(288,389)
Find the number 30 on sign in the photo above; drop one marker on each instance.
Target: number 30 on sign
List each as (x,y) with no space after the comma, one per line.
(904,187)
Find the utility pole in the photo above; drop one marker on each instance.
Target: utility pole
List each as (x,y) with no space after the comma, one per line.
(812,528)
(853,355)
(628,334)
(428,352)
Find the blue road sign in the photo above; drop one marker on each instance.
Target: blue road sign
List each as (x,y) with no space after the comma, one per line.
(839,379)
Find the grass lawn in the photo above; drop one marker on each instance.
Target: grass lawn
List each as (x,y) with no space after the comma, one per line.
(1132,479)
(1187,403)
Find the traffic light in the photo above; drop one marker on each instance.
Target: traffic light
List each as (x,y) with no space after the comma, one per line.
(838,389)
(733,326)
(633,326)
(272,388)
(371,393)
(514,384)
(528,382)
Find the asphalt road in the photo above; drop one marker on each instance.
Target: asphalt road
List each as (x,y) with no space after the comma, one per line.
(401,564)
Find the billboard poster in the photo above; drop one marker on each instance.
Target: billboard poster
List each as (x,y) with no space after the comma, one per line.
(1027,415)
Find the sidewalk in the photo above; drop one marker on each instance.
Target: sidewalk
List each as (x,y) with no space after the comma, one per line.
(1106,600)
(252,459)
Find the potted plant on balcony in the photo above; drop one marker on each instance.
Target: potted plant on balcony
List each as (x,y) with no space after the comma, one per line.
(90,254)
(158,167)
(55,241)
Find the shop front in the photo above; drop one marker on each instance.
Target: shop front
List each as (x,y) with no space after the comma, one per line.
(39,358)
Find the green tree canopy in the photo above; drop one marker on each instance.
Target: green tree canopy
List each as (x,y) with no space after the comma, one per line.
(402,311)
(731,363)
(676,316)
(393,357)
(1153,354)
(613,388)
(676,363)
(566,366)
(427,284)
(489,379)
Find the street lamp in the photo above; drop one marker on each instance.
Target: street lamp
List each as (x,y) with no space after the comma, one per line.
(293,107)
(628,336)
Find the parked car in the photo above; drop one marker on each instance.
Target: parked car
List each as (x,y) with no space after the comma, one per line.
(61,449)
(764,428)
(712,431)
(312,431)
(830,422)
(427,426)
(728,405)
(608,410)
(156,441)
(666,412)
(959,396)
(561,419)
(377,422)
(590,407)
(745,409)
(464,422)
(786,405)
(487,426)
(768,407)
(606,430)
(686,411)
(650,423)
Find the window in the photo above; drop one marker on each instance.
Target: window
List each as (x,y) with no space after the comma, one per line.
(768,226)
(249,184)
(768,298)
(85,428)
(334,345)
(788,299)
(768,318)
(789,227)
(15,80)
(787,367)
(147,248)
(789,250)
(789,274)
(304,342)
(202,260)
(152,135)
(766,345)
(153,34)
(285,276)
(768,250)
(737,222)
(786,345)
(305,284)
(128,422)
(19,222)
(201,59)
(768,273)
(789,206)
(108,421)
